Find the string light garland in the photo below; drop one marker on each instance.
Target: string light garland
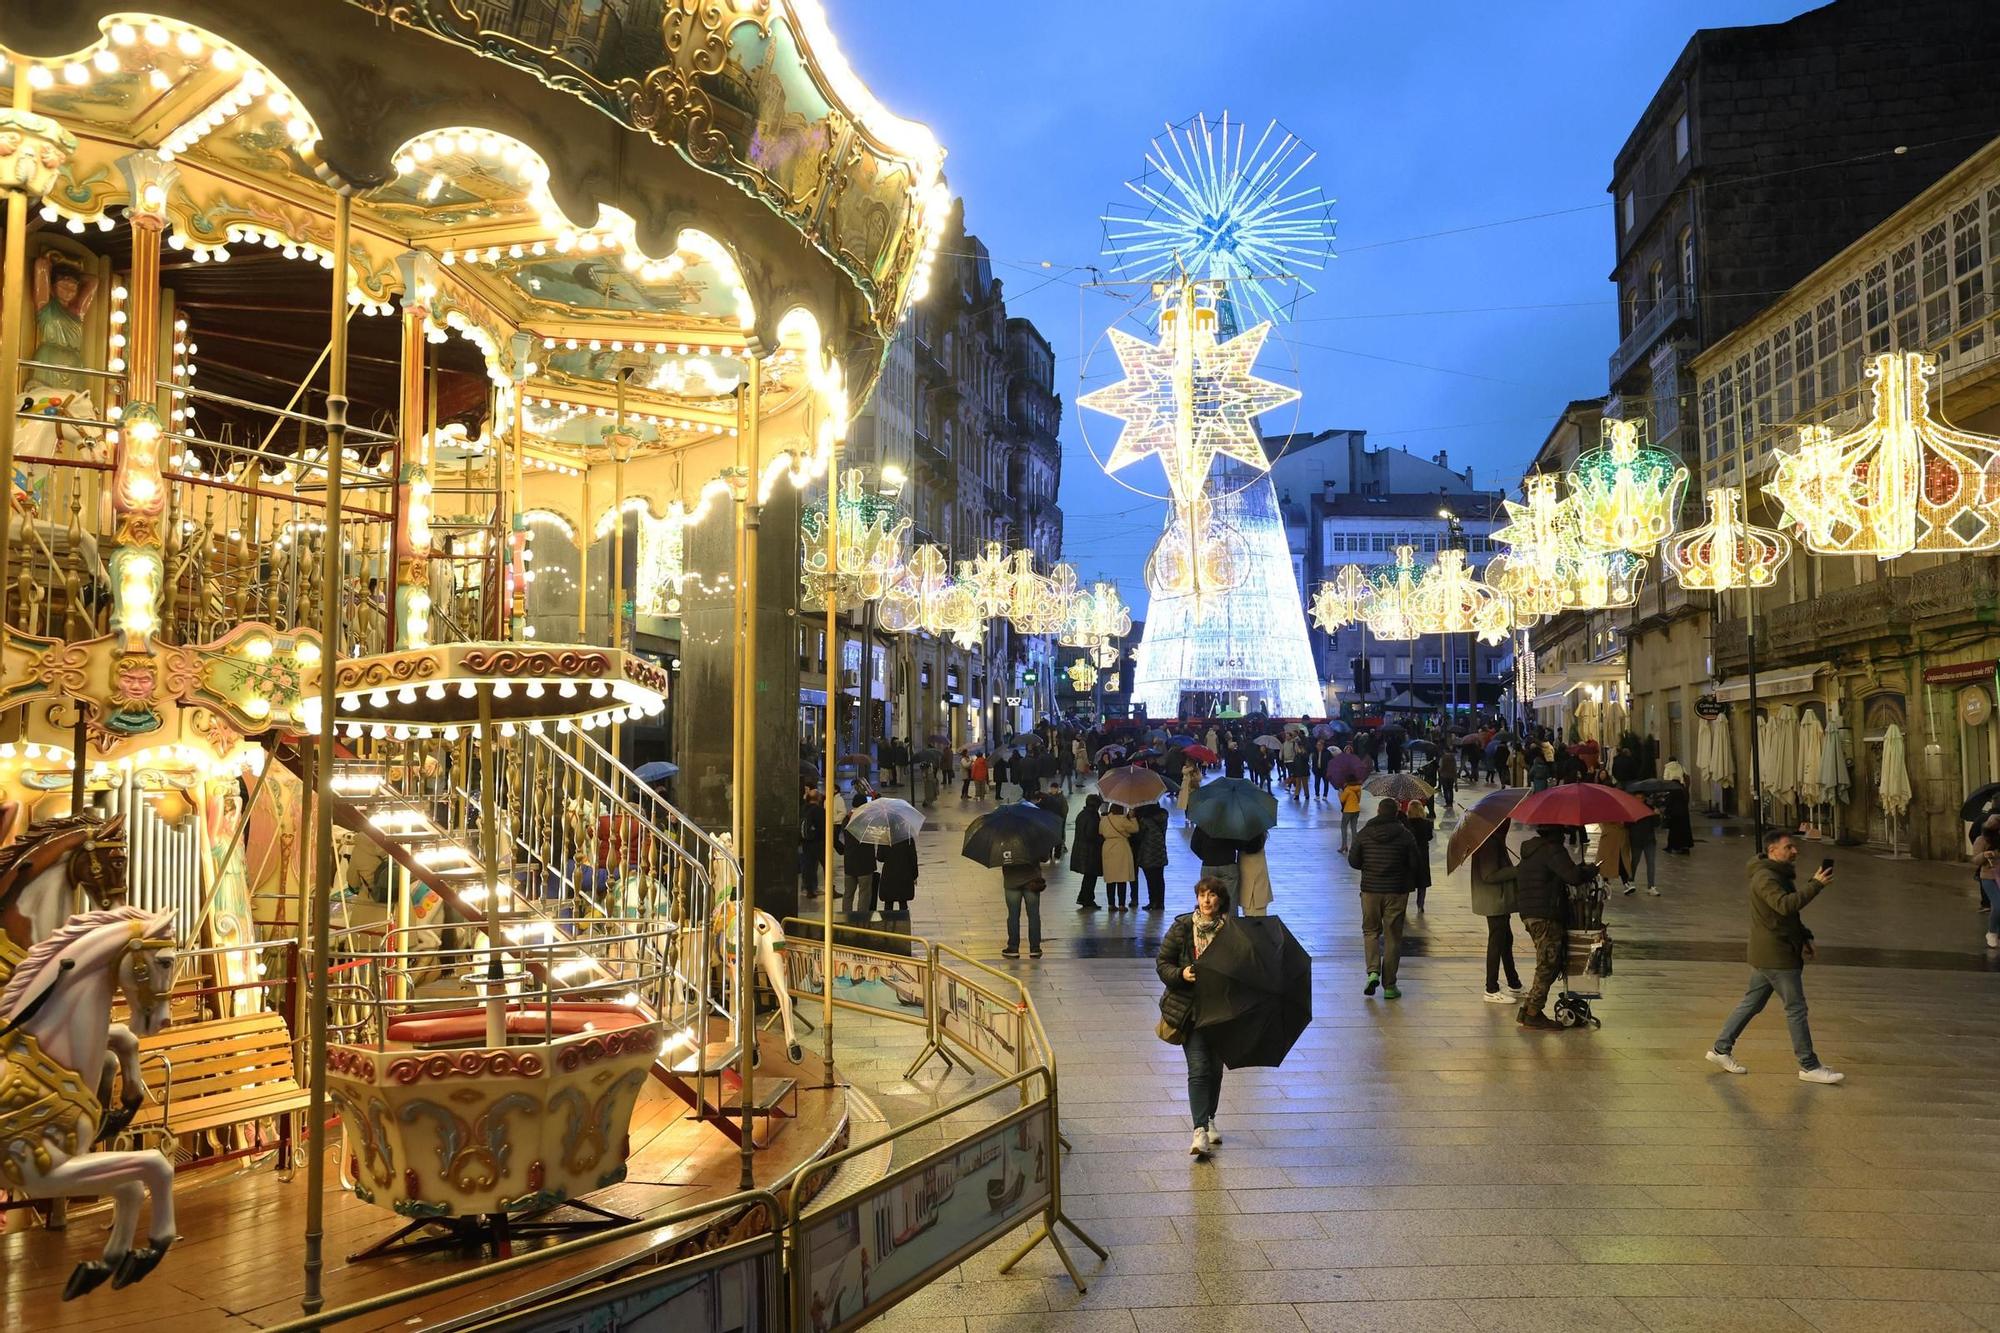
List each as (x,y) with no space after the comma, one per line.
(1901,481)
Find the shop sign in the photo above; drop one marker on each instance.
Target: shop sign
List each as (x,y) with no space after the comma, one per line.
(1709,706)
(1960,673)
(1974,707)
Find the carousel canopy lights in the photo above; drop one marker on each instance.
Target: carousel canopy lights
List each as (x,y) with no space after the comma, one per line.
(1626,495)
(1727,552)
(1901,481)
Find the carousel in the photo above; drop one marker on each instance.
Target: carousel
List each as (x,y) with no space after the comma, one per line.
(377,373)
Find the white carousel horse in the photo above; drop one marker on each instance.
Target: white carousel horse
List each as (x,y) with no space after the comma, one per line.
(55,1036)
(768,937)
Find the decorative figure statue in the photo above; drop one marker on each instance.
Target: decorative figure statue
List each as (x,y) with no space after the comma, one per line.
(63,296)
(58,1047)
(768,939)
(41,870)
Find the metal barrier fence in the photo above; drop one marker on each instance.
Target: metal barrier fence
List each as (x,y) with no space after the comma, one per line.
(828,1266)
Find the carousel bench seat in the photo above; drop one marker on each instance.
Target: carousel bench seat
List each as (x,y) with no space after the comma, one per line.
(456,1027)
(227,1071)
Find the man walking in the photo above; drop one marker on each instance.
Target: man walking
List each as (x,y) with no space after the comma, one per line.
(1780,944)
(1541,895)
(1385,852)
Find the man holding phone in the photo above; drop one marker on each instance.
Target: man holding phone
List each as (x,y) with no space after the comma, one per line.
(1780,944)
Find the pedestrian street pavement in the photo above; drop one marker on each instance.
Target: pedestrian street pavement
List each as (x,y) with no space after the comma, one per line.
(1425,1164)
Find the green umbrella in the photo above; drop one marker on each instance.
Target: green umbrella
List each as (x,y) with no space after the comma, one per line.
(1232,808)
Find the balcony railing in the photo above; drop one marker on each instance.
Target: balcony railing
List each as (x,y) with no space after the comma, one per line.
(1675,304)
(1967,590)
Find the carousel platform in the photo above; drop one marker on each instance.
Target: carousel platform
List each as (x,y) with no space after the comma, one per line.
(238,1262)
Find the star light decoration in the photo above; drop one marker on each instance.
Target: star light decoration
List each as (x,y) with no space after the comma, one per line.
(1727,552)
(873,538)
(1624,494)
(1901,481)
(1396,610)
(1342,600)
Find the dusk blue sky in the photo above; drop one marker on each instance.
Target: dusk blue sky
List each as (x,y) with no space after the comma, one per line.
(1436,329)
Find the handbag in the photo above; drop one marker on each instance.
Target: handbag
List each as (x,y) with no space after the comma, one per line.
(1176,1009)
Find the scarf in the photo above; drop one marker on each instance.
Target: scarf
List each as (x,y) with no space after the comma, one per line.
(1204,932)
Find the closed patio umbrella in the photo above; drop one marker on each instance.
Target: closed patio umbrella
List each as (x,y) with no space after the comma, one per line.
(1811,739)
(1894,784)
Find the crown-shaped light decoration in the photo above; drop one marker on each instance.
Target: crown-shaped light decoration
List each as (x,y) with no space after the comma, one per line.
(1626,495)
(1082,675)
(1547,568)
(1901,481)
(1041,605)
(1196,556)
(989,577)
(1451,599)
(1601,581)
(1396,610)
(872,545)
(1343,599)
(1188,398)
(964,603)
(1727,552)
(1097,620)
(1513,578)
(916,601)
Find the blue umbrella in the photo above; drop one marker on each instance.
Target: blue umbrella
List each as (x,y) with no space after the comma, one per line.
(1232,808)
(657,771)
(1182,740)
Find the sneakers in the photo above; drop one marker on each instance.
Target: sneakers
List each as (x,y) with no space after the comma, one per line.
(1374,980)
(1627,890)
(1389,992)
(1723,1060)
(1214,1134)
(1499,997)
(1011,952)
(1200,1148)
(1992,940)
(1820,1074)
(1035,952)
(1652,892)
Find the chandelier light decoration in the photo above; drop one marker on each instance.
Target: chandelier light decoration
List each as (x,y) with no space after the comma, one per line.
(1548,568)
(1901,481)
(1727,552)
(1197,556)
(873,539)
(1625,494)
(1041,605)
(1082,675)
(1396,610)
(1342,600)
(1097,620)
(916,601)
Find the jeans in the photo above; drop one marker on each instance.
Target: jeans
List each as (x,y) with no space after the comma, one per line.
(1500,953)
(1991,891)
(810,877)
(1156,886)
(1382,932)
(1350,821)
(1789,983)
(1015,897)
(857,898)
(1204,1077)
(1445,790)
(1549,938)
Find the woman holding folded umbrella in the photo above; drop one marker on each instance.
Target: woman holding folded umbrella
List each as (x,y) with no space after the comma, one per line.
(1187,939)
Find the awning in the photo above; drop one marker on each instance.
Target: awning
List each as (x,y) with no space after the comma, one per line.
(1553,691)
(1773,684)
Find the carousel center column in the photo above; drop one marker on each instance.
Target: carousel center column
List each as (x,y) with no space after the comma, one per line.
(710,658)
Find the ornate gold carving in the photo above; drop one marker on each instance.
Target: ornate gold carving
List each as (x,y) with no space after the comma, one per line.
(33,150)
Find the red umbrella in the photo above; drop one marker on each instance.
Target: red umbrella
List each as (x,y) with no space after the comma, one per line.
(1201,754)
(1577,803)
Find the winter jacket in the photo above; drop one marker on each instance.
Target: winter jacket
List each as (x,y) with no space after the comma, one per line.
(899,873)
(1214,851)
(1624,767)
(1149,846)
(1777,936)
(856,857)
(1542,880)
(1116,853)
(1422,830)
(1386,855)
(1086,844)
(1177,952)
(1493,879)
(812,831)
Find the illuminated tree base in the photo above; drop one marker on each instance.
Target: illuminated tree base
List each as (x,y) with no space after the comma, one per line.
(1245,648)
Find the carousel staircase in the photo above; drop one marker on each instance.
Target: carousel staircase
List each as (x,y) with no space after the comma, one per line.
(429,828)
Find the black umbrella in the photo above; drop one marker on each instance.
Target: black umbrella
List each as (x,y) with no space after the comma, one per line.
(928,756)
(1253,992)
(1977,804)
(1013,835)
(1653,787)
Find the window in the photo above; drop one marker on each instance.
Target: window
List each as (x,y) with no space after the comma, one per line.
(1625,211)
(1432,666)
(1402,666)
(1378,666)
(1462,666)
(1656,284)
(1687,262)
(1681,138)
